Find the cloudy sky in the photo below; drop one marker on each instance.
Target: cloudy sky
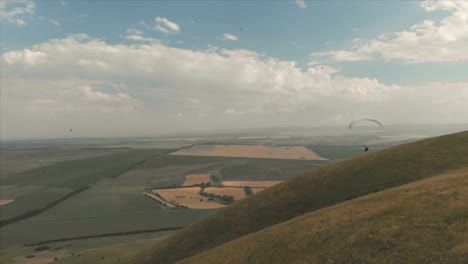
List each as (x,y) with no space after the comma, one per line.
(128,68)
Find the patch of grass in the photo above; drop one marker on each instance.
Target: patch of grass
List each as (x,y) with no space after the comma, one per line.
(407,224)
(318,189)
(341,152)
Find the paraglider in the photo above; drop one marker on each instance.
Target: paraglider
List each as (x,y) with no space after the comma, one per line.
(351,125)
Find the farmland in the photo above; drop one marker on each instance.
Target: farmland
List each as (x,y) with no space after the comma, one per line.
(188,197)
(237,193)
(114,198)
(196,179)
(251,151)
(3,202)
(263,184)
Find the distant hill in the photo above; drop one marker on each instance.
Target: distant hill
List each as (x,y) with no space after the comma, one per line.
(420,222)
(323,187)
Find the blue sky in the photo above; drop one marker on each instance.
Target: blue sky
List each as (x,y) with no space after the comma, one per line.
(278,28)
(339,37)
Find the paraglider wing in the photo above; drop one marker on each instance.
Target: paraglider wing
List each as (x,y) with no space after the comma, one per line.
(351,125)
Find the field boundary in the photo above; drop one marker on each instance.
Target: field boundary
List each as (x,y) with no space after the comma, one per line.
(135,232)
(43,209)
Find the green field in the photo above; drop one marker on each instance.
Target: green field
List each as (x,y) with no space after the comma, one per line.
(78,173)
(325,186)
(100,210)
(91,250)
(34,200)
(241,169)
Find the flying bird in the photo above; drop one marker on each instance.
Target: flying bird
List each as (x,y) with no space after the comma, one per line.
(366,149)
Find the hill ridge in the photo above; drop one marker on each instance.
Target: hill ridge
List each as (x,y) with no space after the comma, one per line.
(320,188)
(377,228)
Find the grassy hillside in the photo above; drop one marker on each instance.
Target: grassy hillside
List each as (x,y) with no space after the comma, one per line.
(320,188)
(421,222)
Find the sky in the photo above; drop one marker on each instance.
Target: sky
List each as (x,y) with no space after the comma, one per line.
(148,68)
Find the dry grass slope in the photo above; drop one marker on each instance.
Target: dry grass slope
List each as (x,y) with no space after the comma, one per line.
(323,187)
(421,222)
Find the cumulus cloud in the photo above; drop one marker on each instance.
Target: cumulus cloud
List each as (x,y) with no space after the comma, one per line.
(141,38)
(228,36)
(16,11)
(301,3)
(134,31)
(165,25)
(55,22)
(428,41)
(153,88)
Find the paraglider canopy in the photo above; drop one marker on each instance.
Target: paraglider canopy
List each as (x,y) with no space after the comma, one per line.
(351,125)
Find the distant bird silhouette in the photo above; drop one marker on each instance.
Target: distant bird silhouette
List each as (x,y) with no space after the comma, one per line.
(366,149)
(71,130)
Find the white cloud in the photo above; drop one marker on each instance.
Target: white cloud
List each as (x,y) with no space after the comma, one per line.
(140,38)
(16,11)
(140,85)
(428,41)
(228,36)
(134,31)
(301,3)
(25,57)
(165,25)
(55,22)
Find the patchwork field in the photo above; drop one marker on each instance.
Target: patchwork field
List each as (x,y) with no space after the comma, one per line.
(189,197)
(264,184)
(3,202)
(196,179)
(156,198)
(237,193)
(251,151)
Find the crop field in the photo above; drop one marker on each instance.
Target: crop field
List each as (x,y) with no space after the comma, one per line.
(189,197)
(237,193)
(99,210)
(15,161)
(78,173)
(244,169)
(156,198)
(14,192)
(114,249)
(196,179)
(4,202)
(115,201)
(251,151)
(264,184)
(35,200)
